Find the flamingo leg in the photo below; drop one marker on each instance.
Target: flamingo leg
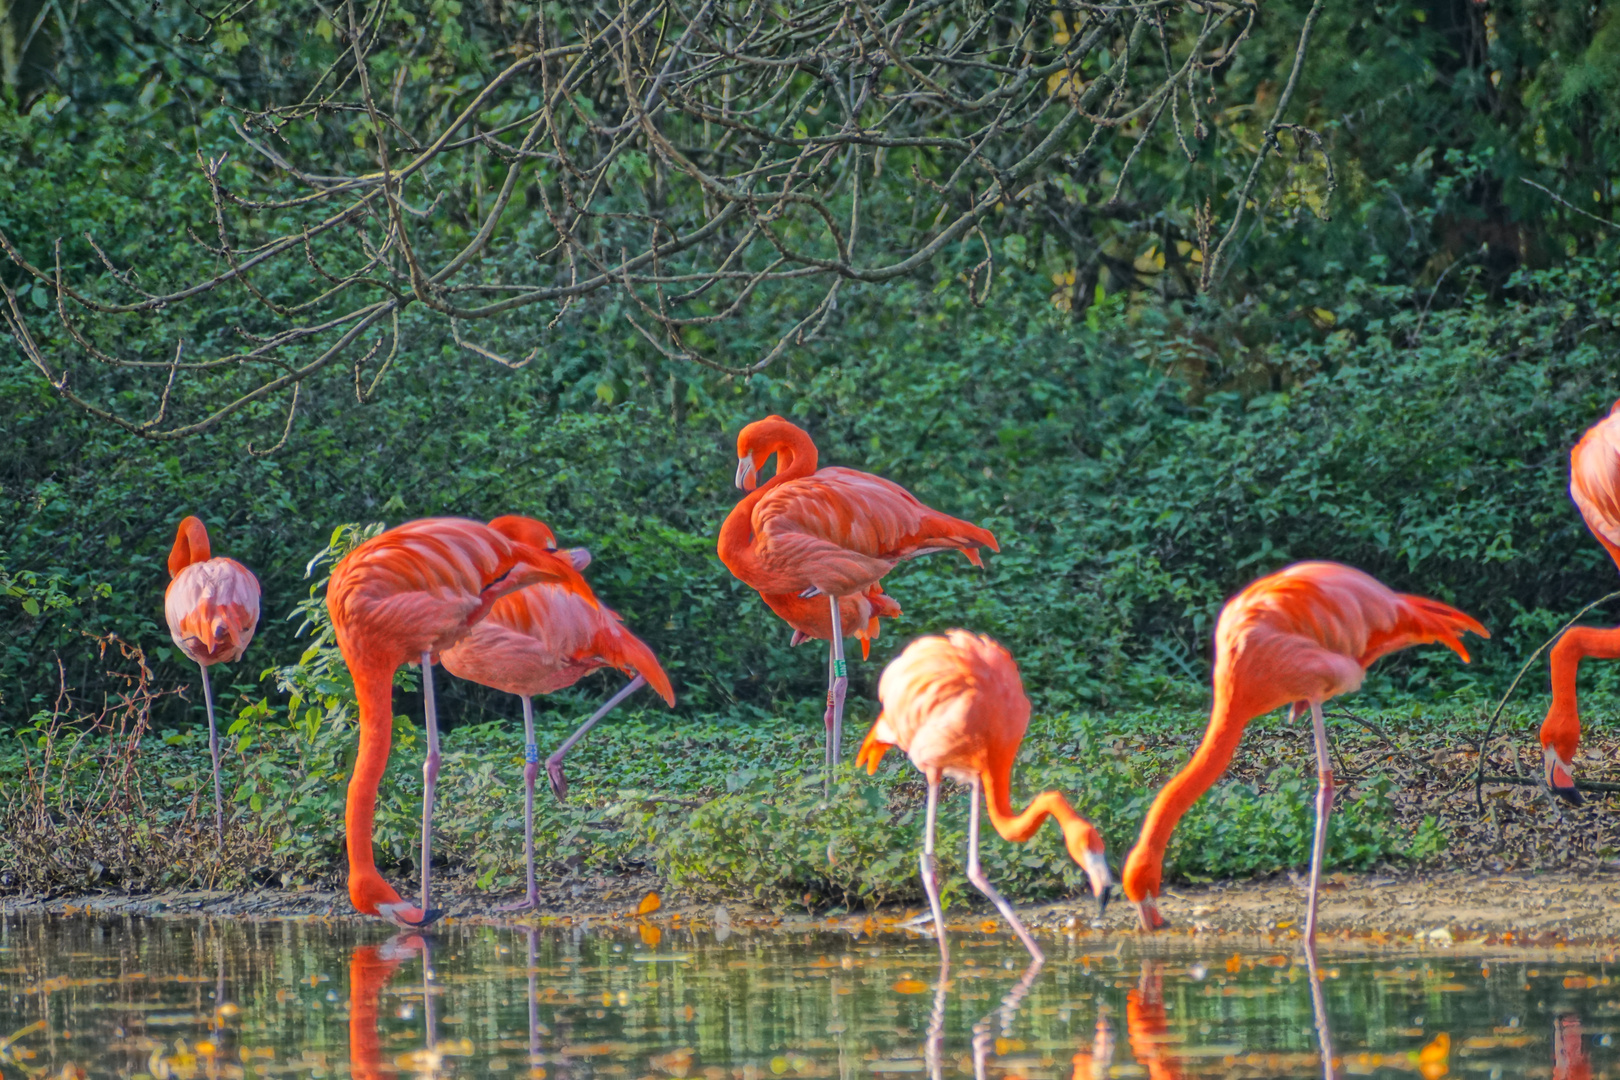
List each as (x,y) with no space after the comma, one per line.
(976,875)
(213,750)
(930,869)
(430,773)
(836,690)
(534,1006)
(531,771)
(1324,807)
(554,773)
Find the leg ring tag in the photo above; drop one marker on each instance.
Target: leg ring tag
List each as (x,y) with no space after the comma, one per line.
(531,753)
(840,668)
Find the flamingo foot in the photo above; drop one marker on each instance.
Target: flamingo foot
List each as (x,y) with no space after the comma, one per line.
(559,785)
(528,903)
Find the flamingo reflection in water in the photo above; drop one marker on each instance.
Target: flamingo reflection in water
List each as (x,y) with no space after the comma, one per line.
(371,968)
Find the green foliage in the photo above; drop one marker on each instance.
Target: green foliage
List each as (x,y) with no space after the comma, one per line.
(775,838)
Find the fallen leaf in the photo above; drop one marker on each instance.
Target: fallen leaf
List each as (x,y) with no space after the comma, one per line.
(910,986)
(649,904)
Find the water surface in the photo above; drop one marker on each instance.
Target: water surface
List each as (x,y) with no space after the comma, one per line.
(226,999)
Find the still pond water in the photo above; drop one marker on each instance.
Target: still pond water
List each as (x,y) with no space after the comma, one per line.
(171,998)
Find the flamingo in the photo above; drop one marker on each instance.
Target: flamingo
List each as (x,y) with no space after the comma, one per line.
(834,532)
(542,639)
(403,597)
(1594,485)
(212,608)
(1299,636)
(956,706)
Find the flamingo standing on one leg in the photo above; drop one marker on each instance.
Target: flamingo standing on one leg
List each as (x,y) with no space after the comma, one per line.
(1594,485)
(831,532)
(1302,635)
(543,639)
(212,607)
(956,706)
(399,598)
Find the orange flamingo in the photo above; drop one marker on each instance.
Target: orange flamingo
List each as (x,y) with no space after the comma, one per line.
(543,639)
(956,706)
(832,532)
(403,597)
(212,607)
(1302,635)
(1594,485)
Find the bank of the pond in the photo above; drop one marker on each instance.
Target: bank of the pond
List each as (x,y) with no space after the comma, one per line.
(1434,910)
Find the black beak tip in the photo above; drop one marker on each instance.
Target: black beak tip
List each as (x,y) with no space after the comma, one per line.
(1571,795)
(430,916)
(1102,901)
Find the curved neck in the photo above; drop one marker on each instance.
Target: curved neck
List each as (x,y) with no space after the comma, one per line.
(190,546)
(1019,827)
(796,456)
(1226,722)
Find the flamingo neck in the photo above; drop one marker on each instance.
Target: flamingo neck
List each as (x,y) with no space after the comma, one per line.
(796,457)
(1226,723)
(374,686)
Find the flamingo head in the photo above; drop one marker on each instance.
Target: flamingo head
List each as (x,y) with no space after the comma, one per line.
(526,530)
(371,895)
(1085,845)
(1140,884)
(1560,776)
(772,435)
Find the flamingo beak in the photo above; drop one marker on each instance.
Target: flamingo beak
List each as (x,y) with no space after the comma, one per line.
(411,918)
(1147,913)
(580,557)
(747,474)
(1102,880)
(1560,777)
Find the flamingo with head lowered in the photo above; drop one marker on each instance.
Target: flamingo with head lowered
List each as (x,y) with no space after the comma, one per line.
(956,706)
(1297,637)
(403,597)
(542,639)
(827,533)
(212,608)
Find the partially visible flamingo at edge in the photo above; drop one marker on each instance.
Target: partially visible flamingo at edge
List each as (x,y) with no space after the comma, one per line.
(1594,486)
(1297,637)
(403,597)
(212,608)
(833,533)
(543,639)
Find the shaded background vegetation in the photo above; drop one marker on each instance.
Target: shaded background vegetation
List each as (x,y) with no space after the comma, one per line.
(1395,385)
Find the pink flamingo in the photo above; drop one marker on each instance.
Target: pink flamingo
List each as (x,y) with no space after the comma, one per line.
(542,639)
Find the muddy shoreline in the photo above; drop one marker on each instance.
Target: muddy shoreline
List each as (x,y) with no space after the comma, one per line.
(1359,911)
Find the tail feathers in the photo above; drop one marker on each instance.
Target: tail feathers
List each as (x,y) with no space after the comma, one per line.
(872,750)
(629,653)
(1430,620)
(190,545)
(943,532)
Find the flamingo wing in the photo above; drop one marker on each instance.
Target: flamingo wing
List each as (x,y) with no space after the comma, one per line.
(1309,631)
(841,530)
